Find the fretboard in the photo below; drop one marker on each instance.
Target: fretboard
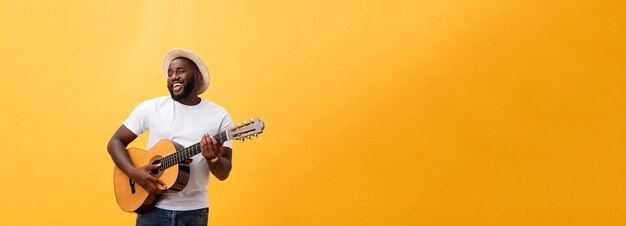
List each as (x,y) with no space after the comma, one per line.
(188,152)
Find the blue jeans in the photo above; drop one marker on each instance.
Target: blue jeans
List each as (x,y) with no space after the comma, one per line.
(161,217)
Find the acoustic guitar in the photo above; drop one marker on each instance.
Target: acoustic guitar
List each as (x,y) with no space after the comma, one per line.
(174,169)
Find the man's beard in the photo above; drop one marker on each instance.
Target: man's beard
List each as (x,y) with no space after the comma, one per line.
(189,85)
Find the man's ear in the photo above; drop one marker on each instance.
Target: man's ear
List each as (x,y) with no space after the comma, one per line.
(198,75)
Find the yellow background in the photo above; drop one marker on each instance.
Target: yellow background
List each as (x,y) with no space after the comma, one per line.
(378,112)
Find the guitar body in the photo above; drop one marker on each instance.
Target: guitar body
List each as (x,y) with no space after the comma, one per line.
(130,196)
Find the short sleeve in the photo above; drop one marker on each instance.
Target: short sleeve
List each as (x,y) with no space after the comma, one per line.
(227,123)
(137,120)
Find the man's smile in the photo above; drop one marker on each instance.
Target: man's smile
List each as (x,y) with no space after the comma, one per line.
(177,86)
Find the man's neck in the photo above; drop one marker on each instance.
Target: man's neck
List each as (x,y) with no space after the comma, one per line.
(190,100)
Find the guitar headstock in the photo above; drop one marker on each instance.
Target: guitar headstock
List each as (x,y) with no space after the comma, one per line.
(247,129)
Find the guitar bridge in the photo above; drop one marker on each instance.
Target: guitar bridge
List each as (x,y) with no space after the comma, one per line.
(132,185)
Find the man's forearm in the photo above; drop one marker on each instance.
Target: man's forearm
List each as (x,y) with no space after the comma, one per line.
(221,168)
(117,148)
(118,153)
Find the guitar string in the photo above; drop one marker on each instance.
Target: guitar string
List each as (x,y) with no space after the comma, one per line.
(185,153)
(175,158)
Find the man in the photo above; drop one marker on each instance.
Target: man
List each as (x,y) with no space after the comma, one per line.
(184,118)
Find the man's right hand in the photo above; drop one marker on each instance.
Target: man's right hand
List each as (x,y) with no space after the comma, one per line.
(141,175)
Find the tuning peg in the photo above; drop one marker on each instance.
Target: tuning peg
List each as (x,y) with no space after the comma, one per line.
(256,135)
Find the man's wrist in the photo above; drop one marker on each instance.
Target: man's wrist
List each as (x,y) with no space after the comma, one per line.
(214,159)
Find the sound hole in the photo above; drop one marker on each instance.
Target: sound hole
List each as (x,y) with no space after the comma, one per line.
(155,171)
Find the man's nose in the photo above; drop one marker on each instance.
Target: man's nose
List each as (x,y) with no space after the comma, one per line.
(175,76)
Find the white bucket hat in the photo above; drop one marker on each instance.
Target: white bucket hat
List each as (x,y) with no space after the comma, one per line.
(176,52)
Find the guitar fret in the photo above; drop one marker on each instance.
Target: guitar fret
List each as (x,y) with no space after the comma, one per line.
(188,152)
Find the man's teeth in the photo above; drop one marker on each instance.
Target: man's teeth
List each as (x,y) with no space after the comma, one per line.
(177,86)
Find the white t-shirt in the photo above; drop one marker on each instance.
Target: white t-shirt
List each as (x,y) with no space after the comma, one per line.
(183,124)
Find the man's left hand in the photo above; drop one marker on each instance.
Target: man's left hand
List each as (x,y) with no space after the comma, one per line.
(210,147)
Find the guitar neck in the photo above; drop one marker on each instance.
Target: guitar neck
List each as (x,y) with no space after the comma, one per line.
(188,152)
